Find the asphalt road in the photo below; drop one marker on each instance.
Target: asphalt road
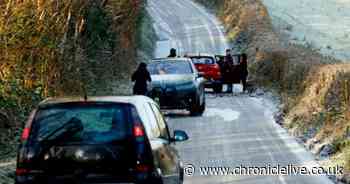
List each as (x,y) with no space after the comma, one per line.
(187,27)
(235,130)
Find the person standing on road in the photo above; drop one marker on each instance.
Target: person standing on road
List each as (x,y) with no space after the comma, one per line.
(172,53)
(141,76)
(227,68)
(244,70)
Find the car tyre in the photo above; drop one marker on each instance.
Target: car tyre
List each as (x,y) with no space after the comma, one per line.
(194,110)
(202,108)
(197,109)
(182,175)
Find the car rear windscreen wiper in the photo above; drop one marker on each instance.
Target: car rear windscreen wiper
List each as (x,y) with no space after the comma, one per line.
(67,130)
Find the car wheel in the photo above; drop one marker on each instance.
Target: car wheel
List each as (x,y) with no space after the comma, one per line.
(152,180)
(194,110)
(182,175)
(202,108)
(197,109)
(218,88)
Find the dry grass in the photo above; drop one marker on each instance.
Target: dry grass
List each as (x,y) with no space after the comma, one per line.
(72,44)
(65,48)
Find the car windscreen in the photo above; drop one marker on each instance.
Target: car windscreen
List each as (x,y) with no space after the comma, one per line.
(99,123)
(170,67)
(203,60)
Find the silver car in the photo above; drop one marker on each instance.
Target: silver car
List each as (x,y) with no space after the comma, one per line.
(176,84)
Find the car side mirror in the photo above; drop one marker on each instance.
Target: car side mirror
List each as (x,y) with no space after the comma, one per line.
(180,136)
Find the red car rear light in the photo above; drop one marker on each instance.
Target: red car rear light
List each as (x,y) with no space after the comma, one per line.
(138,131)
(21,172)
(25,134)
(27,128)
(142,168)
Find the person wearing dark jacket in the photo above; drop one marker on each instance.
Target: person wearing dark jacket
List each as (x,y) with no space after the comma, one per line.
(227,70)
(141,76)
(172,53)
(244,71)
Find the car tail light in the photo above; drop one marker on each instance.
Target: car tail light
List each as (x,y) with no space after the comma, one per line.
(27,128)
(25,134)
(21,172)
(142,168)
(138,131)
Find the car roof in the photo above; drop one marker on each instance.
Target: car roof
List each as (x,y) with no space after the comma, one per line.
(171,59)
(134,100)
(200,55)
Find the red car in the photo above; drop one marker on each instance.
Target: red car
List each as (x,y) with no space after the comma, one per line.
(206,64)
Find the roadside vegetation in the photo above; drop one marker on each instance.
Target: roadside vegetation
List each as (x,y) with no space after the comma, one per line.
(315,89)
(66,48)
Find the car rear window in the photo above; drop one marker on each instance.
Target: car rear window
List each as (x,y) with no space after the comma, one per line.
(99,123)
(203,60)
(170,67)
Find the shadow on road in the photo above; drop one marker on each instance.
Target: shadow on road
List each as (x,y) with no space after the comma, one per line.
(176,114)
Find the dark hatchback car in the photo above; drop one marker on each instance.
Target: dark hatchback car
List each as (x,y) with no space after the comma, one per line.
(100,140)
(176,84)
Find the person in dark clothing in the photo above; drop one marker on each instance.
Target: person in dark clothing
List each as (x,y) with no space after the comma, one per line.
(227,68)
(172,53)
(244,70)
(141,76)
(220,61)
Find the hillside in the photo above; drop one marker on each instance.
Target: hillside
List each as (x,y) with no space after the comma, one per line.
(325,24)
(314,88)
